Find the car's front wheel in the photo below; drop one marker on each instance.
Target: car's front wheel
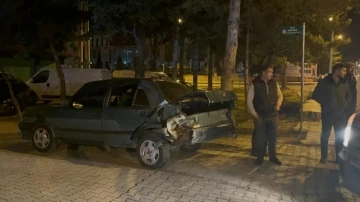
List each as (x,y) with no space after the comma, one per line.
(190,147)
(43,140)
(150,155)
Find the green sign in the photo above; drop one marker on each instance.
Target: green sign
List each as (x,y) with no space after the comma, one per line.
(292,30)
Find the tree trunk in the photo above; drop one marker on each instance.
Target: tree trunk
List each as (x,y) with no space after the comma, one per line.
(139,56)
(247,51)
(210,69)
(175,55)
(153,47)
(181,59)
(12,94)
(60,74)
(284,86)
(231,46)
(196,66)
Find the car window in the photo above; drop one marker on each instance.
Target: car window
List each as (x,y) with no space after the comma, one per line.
(127,95)
(41,77)
(173,90)
(92,96)
(141,99)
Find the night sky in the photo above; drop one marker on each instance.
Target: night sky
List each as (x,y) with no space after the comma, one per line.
(351,52)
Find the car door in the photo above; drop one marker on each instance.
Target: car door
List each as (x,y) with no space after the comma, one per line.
(82,122)
(127,109)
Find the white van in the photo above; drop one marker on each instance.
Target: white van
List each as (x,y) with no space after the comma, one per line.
(45,84)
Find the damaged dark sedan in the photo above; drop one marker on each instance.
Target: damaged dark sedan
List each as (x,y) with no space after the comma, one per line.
(154,117)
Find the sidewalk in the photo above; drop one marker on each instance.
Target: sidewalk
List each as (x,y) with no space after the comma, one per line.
(9,132)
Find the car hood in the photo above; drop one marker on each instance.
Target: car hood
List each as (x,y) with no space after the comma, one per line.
(206,101)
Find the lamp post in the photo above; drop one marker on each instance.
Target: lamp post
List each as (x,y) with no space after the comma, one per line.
(176,50)
(331,49)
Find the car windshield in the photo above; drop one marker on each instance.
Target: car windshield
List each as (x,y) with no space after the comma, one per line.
(173,91)
(9,76)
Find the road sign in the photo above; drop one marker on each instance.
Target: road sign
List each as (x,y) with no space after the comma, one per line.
(292,30)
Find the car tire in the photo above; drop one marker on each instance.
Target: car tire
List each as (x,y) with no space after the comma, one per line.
(43,139)
(33,98)
(161,153)
(190,147)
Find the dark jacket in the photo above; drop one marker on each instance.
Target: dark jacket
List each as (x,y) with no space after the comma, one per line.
(352,86)
(334,98)
(265,103)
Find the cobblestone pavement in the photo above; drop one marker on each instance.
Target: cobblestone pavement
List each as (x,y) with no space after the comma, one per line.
(221,171)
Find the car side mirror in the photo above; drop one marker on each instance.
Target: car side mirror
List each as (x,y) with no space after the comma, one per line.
(77,105)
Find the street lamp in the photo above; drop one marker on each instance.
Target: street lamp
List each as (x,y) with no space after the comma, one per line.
(180,21)
(340,37)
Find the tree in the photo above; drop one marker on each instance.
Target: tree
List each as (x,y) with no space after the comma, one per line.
(99,63)
(231,46)
(119,63)
(42,27)
(143,20)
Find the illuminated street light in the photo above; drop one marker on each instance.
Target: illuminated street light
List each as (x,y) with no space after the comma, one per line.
(180,21)
(331,18)
(340,37)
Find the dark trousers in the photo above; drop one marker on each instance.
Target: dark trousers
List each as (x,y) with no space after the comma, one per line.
(266,131)
(339,123)
(253,143)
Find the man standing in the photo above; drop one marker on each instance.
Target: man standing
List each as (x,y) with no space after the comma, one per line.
(351,80)
(333,94)
(263,102)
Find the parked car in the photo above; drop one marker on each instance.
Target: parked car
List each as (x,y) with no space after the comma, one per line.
(151,116)
(45,84)
(9,76)
(22,93)
(350,155)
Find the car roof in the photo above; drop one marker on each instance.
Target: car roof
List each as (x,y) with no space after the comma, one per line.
(117,80)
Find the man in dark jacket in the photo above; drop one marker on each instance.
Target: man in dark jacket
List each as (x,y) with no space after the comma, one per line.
(333,94)
(263,103)
(351,80)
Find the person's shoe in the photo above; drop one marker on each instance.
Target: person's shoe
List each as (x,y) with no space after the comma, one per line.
(266,154)
(259,161)
(276,161)
(323,161)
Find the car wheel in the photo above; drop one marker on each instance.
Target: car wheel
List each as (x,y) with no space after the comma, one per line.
(43,140)
(150,155)
(33,98)
(190,147)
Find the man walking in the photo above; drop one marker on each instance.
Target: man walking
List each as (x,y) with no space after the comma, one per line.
(263,103)
(333,94)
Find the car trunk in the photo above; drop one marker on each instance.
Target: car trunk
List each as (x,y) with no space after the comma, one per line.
(206,116)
